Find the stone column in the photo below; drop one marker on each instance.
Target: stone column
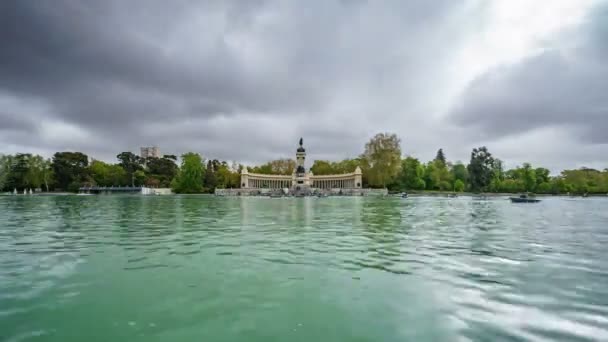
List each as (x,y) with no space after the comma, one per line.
(244,178)
(358,177)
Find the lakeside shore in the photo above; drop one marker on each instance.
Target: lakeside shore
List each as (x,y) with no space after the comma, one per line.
(424,193)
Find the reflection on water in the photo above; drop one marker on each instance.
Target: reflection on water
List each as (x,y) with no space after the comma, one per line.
(257,269)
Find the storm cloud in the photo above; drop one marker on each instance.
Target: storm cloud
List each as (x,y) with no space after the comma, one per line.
(564,86)
(243,80)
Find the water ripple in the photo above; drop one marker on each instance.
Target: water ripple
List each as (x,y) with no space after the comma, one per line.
(487,270)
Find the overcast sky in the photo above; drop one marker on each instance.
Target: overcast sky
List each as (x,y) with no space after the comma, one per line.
(244,80)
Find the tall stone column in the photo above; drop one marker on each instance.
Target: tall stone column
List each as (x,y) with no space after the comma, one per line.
(244,178)
(358,178)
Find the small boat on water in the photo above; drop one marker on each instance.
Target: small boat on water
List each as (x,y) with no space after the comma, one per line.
(452,195)
(524,198)
(404,195)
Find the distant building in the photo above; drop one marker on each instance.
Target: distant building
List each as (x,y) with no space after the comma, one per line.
(147,152)
(301,182)
(302,179)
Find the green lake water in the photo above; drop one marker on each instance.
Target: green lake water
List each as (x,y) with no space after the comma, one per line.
(199,268)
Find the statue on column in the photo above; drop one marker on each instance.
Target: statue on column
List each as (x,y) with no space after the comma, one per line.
(301,141)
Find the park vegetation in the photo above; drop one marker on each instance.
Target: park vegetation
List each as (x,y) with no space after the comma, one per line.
(382,164)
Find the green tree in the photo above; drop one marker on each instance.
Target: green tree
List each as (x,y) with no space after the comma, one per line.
(210,178)
(458,185)
(39,172)
(131,163)
(163,170)
(585,180)
(459,172)
(542,175)
(441,157)
(190,176)
(411,174)
(6,164)
(544,188)
(277,167)
(441,176)
(528,177)
(226,177)
(48,175)
(104,174)
(429,179)
(510,185)
(139,177)
(481,169)
(382,159)
(322,167)
(19,172)
(70,168)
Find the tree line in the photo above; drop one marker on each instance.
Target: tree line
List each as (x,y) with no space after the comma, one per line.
(381,162)
(68,171)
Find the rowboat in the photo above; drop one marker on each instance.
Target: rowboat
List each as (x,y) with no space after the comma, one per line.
(524,199)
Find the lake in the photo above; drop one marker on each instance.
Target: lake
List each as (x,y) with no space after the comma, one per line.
(201,268)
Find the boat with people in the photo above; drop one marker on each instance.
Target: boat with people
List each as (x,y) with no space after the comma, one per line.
(524,198)
(404,195)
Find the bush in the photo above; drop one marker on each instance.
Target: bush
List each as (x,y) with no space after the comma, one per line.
(74,186)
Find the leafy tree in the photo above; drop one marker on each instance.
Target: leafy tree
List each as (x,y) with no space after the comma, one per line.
(481,169)
(190,176)
(152,182)
(210,178)
(278,167)
(459,172)
(70,168)
(440,157)
(542,175)
(131,163)
(411,174)
(512,186)
(382,159)
(498,176)
(139,177)
(529,177)
(440,175)
(104,174)
(163,170)
(48,175)
(586,180)
(322,167)
(19,171)
(458,185)
(429,179)
(228,177)
(24,171)
(559,186)
(544,188)
(6,164)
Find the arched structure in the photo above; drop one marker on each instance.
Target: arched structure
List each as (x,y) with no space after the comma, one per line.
(301,179)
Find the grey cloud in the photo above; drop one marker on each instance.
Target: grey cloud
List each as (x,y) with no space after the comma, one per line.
(243,80)
(117,68)
(562,87)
